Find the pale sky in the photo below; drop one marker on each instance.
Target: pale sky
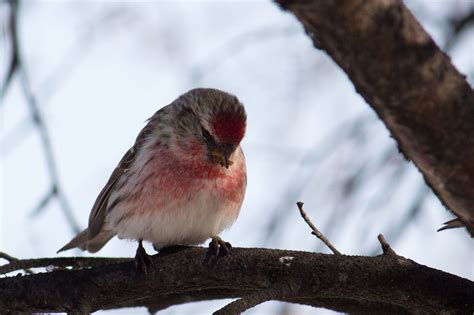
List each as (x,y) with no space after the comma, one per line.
(100,69)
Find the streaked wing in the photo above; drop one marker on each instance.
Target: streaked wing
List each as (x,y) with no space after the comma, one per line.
(99,209)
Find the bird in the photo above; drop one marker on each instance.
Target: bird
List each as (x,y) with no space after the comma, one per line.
(181,183)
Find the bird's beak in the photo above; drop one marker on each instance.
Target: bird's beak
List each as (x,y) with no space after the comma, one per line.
(221,154)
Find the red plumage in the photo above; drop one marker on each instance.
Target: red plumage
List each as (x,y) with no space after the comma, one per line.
(229,127)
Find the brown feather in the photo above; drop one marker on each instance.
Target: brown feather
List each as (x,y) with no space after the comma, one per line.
(84,243)
(79,241)
(99,209)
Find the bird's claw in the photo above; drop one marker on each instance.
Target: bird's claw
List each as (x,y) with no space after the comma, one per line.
(142,259)
(217,248)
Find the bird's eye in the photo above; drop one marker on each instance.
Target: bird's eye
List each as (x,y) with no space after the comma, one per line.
(206,135)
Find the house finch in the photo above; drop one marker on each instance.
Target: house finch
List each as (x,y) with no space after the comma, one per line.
(182,182)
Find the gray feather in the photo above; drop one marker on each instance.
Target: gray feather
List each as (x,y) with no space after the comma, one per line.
(92,245)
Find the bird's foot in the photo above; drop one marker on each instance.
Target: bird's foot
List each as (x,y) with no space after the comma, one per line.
(217,248)
(142,259)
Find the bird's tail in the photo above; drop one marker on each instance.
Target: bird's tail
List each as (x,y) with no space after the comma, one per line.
(83,242)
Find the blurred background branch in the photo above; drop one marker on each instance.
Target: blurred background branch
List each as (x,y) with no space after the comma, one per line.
(17,66)
(458,24)
(395,83)
(13,63)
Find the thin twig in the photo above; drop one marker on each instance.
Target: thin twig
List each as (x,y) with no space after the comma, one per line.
(48,151)
(318,154)
(233,47)
(13,260)
(458,24)
(17,66)
(47,198)
(7,257)
(316,232)
(246,302)
(13,67)
(77,262)
(387,250)
(38,120)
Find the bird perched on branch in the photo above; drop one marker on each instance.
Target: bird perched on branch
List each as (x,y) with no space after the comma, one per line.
(182,182)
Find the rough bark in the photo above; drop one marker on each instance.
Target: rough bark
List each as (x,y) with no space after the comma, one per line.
(420,96)
(387,283)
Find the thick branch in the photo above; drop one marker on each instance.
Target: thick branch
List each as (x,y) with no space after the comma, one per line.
(388,284)
(423,100)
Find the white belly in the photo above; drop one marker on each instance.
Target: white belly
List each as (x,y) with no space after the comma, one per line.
(187,221)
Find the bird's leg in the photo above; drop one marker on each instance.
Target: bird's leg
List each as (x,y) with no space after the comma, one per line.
(217,248)
(142,259)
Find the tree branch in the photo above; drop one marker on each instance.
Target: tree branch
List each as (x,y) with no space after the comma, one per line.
(411,84)
(61,262)
(247,302)
(316,232)
(11,262)
(338,282)
(387,250)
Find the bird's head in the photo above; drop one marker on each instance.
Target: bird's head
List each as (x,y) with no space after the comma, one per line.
(209,127)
